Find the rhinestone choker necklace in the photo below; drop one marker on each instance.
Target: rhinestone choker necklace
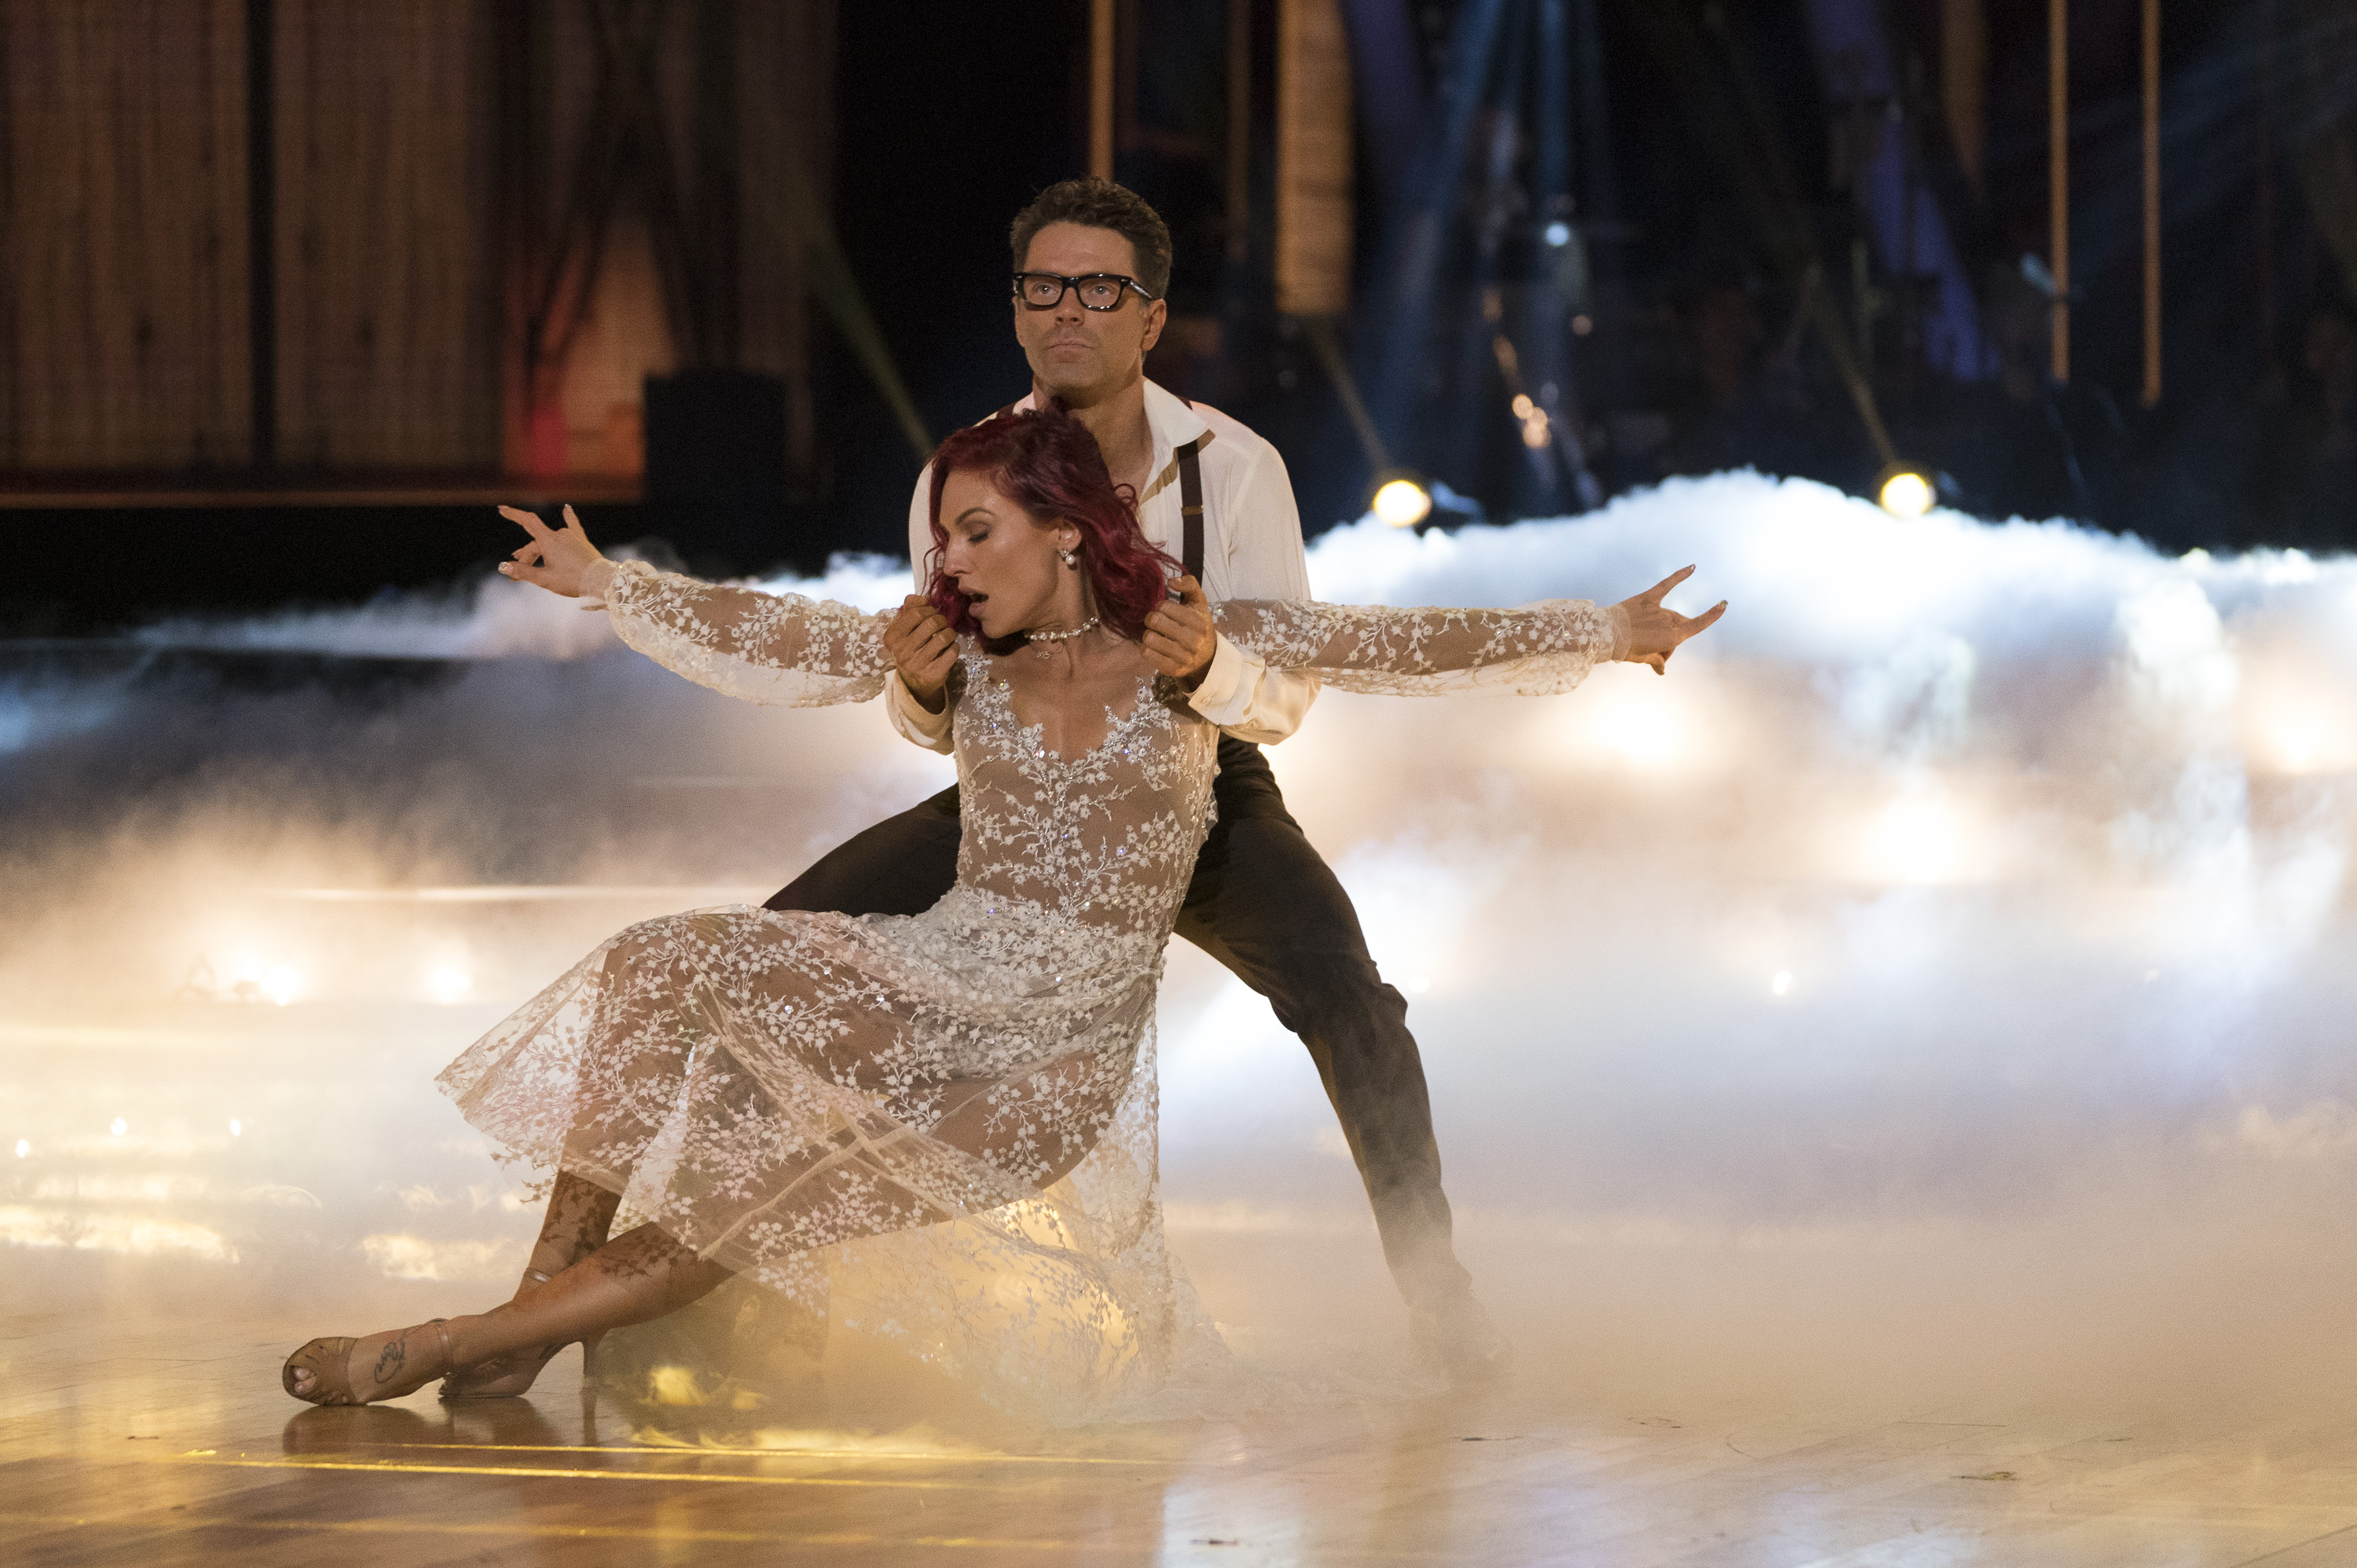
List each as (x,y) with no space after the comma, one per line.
(1045,637)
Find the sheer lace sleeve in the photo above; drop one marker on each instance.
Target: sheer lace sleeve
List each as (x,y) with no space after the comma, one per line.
(778,649)
(1533,651)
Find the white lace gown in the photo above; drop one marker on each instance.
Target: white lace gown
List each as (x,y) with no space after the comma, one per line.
(941,1127)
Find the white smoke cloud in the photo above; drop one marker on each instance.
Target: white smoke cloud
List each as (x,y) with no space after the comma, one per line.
(1969,899)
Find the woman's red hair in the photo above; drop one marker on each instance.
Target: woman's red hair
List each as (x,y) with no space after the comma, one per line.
(1046,463)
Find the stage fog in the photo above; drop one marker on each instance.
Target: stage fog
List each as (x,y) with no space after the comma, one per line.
(1942,982)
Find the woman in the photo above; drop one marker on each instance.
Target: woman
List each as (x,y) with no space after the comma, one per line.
(941,1125)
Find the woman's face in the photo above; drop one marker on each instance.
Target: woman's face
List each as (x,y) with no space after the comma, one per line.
(1003,561)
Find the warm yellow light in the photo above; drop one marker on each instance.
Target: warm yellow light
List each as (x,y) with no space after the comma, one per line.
(2296,724)
(1536,434)
(1640,728)
(1907,494)
(282,984)
(1523,405)
(675,1385)
(1923,837)
(1403,503)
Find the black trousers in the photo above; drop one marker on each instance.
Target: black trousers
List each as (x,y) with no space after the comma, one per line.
(1265,904)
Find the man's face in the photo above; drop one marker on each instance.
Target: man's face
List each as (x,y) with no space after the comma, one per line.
(1083,354)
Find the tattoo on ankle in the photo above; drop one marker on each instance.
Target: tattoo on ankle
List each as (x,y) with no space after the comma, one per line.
(389,1360)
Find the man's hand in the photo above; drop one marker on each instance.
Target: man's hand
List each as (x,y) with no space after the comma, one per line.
(1179,639)
(923,647)
(1655,630)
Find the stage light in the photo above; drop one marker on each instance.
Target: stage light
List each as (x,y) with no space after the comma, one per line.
(675,1385)
(236,1128)
(1535,433)
(1558,233)
(281,985)
(1906,492)
(1523,405)
(1420,982)
(118,1126)
(1581,326)
(24,1148)
(2294,722)
(1922,839)
(449,985)
(1402,502)
(1781,983)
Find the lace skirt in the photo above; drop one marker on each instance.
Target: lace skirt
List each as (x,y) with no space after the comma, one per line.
(938,1126)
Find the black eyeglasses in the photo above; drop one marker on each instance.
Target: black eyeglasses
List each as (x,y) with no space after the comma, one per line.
(1098,291)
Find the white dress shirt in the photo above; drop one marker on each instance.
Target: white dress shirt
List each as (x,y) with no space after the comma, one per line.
(1252,550)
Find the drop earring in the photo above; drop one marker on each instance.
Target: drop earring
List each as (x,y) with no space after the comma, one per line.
(1070,558)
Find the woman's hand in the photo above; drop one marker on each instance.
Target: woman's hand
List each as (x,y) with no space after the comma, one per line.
(561,560)
(1655,630)
(923,647)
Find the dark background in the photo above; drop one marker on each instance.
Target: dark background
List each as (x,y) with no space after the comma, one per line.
(947,118)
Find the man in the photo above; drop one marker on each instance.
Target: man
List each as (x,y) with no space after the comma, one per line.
(1093,262)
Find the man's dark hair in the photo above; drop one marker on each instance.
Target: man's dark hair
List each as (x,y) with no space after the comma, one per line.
(1101,204)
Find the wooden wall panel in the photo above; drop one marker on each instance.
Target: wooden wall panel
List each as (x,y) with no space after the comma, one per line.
(388,316)
(123,276)
(1314,217)
(412,193)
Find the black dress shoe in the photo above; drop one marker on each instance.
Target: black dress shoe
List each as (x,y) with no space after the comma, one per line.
(1461,1337)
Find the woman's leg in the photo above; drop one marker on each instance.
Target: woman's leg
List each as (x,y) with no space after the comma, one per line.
(577,1219)
(580,1214)
(643,1273)
(640,1275)
(1036,1125)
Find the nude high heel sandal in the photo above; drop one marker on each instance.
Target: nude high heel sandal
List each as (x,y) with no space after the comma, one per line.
(329,1361)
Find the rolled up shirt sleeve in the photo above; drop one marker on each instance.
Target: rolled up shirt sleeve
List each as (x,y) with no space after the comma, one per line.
(1260,531)
(914,720)
(1250,701)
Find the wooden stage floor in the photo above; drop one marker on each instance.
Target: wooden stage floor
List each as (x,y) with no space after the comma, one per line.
(163,1443)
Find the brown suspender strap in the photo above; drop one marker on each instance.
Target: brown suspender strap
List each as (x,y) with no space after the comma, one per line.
(1190,507)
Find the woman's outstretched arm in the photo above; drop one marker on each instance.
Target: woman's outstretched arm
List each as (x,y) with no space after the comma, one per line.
(1534,651)
(779,649)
